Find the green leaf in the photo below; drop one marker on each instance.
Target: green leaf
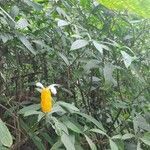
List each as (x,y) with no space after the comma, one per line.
(98,131)
(65,59)
(57,145)
(71,108)
(127,136)
(5,138)
(7,15)
(78,44)
(141,8)
(120,104)
(93,120)
(22,23)
(90,142)
(127,59)
(61,12)
(146,139)
(85,3)
(93,63)
(62,23)
(3,147)
(25,109)
(118,136)
(78,145)
(14,11)
(130,145)
(67,142)
(40,116)
(58,109)
(120,144)
(98,46)
(35,5)
(72,126)
(37,141)
(139,146)
(26,43)
(113,145)
(5,37)
(61,127)
(95,79)
(108,72)
(3,78)
(140,122)
(47,138)
(32,112)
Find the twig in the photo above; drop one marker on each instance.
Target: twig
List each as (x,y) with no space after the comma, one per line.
(82,94)
(8,111)
(23,76)
(140,92)
(18,144)
(120,110)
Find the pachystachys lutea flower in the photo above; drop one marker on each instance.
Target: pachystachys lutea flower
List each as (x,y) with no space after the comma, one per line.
(46,96)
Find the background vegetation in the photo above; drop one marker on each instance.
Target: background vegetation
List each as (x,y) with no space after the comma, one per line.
(98,51)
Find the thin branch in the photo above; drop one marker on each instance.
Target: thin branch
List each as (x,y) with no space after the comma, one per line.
(120,110)
(141,92)
(82,94)
(8,111)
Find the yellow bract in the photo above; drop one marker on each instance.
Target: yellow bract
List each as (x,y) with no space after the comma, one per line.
(46,100)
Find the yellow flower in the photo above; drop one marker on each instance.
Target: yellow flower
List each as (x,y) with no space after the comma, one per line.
(46,96)
(46,100)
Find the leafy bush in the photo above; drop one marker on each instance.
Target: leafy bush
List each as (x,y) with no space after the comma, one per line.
(99,56)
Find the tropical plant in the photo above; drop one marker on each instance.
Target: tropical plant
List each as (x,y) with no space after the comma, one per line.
(97,51)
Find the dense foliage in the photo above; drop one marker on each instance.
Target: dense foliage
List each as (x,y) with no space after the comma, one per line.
(99,56)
